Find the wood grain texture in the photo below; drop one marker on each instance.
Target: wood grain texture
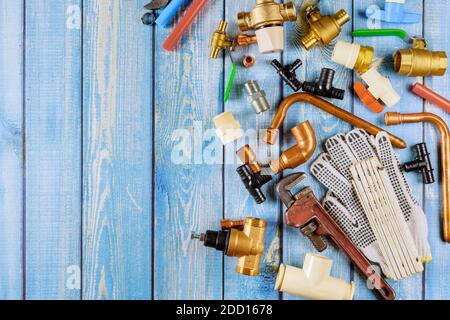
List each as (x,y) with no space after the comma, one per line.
(295,246)
(53,144)
(117,158)
(238,202)
(437,34)
(385,47)
(188,175)
(11,154)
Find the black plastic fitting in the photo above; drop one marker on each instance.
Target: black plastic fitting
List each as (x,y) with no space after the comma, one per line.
(287,73)
(216,239)
(422,163)
(253,182)
(324,87)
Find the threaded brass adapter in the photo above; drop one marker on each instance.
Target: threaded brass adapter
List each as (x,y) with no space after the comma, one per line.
(220,40)
(323,29)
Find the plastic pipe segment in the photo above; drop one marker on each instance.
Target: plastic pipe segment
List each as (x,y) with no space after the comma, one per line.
(431,96)
(314,280)
(394,118)
(277,122)
(394,12)
(184,23)
(166,15)
(353,56)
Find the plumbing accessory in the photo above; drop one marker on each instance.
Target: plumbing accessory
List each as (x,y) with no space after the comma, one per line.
(324,86)
(226,96)
(227,128)
(322,29)
(169,12)
(287,73)
(300,152)
(314,280)
(156,4)
(267,19)
(380,87)
(304,212)
(248,61)
(272,131)
(149,18)
(250,174)
(353,56)
(334,170)
(184,24)
(244,40)
(402,34)
(220,40)
(431,96)
(245,241)
(421,163)
(394,118)
(394,12)
(256,96)
(381,207)
(367,98)
(418,61)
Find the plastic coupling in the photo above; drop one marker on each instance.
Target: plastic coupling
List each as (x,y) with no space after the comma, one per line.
(422,163)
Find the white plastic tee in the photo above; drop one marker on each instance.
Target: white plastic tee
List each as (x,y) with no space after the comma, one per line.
(380,87)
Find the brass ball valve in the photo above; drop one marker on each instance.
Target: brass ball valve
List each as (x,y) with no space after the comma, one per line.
(220,40)
(323,29)
(267,18)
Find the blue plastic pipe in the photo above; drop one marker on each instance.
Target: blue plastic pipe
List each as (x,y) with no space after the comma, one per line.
(167,14)
(393,12)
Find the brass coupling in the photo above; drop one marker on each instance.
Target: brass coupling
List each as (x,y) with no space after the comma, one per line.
(220,40)
(267,13)
(323,29)
(418,61)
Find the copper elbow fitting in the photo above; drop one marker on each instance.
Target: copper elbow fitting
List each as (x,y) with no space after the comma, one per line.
(277,122)
(418,61)
(323,29)
(299,153)
(267,13)
(394,118)
(220,40)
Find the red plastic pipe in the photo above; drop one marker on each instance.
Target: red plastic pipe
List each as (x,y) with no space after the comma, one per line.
(184,23)
(431,96)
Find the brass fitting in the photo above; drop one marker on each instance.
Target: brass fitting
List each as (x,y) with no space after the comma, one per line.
(267,13)
(322,29)
(245,39)
(220,40)
(418,61)
(299,153)
(248,157)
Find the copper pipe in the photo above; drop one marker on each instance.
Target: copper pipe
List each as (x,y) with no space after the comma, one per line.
(272,131)
(394,118)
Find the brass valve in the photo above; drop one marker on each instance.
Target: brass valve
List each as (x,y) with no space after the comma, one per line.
(242,239)
(323,29)
(418,61)
(220,40)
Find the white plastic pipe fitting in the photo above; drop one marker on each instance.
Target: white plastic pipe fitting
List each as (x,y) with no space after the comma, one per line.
(353,56)
(270,39)
(380,87)
(227,128)
(314,280)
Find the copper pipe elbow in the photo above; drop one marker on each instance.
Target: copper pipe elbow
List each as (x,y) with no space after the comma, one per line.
(395,118)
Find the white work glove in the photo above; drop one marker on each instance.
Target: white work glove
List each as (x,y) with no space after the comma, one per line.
(333,170)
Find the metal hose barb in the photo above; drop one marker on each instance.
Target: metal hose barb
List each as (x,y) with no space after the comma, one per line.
(394,118)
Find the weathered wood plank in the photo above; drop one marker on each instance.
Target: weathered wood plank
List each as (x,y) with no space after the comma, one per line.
(238,202)
(11,155)
(410,288)
(188,174)
(117,151)
(53,144)
(437,35)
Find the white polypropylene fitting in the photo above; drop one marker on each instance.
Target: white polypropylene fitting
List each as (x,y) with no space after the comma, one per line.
(314,280)
(346,53)
(227,128)
(380,87)
(270,39)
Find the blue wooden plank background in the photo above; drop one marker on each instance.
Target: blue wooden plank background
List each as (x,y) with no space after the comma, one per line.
(109,160)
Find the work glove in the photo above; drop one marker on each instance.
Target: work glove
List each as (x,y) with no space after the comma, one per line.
(333,170)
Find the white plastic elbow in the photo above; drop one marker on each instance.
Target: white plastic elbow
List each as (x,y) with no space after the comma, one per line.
(380,87)
(314,280)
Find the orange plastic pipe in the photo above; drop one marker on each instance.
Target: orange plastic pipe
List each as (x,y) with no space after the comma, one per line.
(184,23)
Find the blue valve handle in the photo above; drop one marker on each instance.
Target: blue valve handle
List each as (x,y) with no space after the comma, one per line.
(393,12)
(167,14)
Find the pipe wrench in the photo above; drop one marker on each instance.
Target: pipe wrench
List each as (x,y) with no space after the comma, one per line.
(304,212)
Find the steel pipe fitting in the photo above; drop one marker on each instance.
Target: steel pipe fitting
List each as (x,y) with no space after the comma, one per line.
(418,61)
(323,29)
(256,96)
(394,118)
(220,40)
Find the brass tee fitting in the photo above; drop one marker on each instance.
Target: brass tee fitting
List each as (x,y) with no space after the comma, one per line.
(299,153)
(322,29)
(220,40)
(418,61)
(266,13)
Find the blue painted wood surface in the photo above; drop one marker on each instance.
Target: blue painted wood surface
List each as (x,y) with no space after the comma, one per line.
(106,151)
